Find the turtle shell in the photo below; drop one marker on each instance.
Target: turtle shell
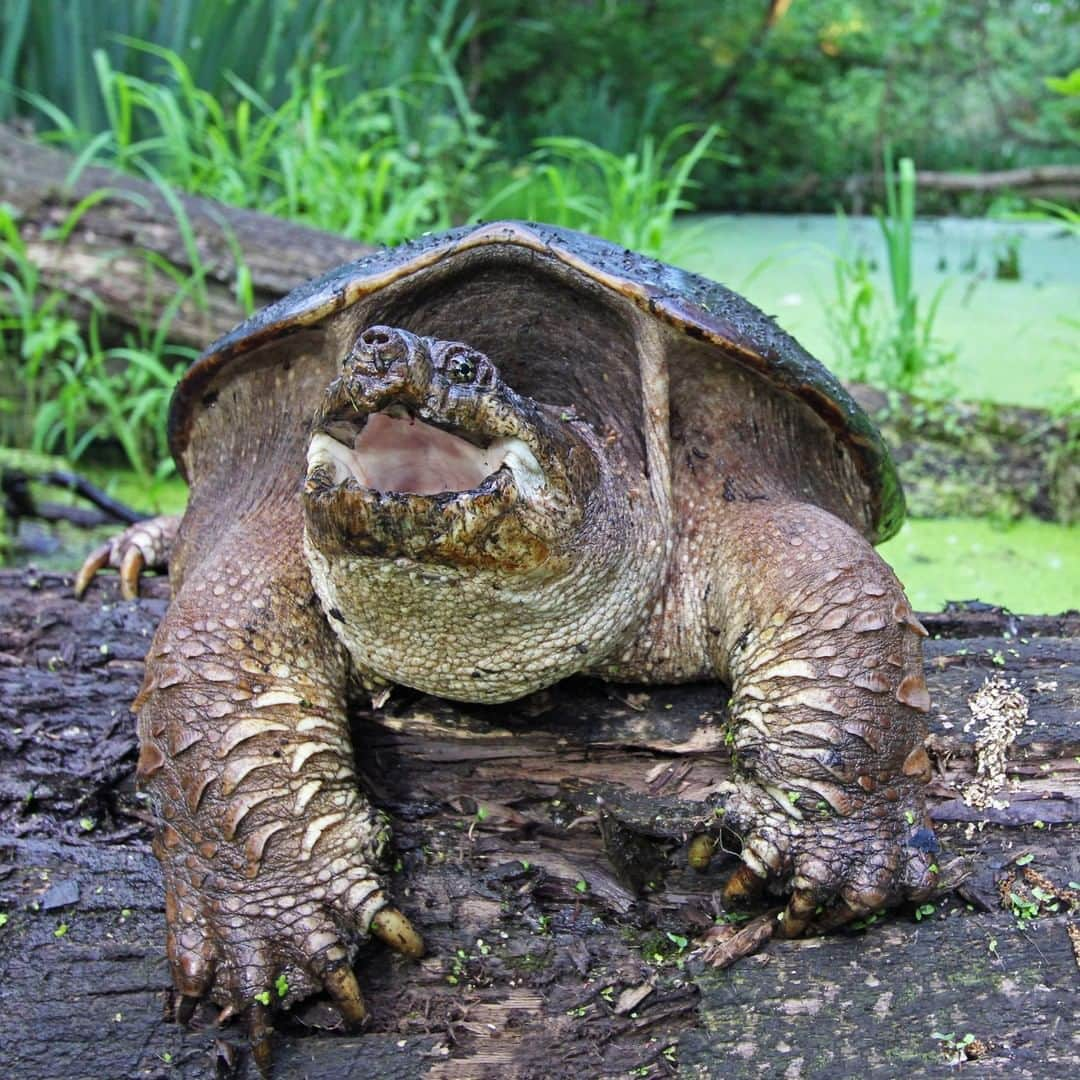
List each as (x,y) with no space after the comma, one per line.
(694,306)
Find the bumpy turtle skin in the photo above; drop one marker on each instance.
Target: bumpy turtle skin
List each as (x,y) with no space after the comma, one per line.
(702,309)
(267,845)
(824,656)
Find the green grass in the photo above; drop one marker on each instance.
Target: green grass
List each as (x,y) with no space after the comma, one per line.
(62,390)
(630,199)
(57,47)
(379,166)
(886,337)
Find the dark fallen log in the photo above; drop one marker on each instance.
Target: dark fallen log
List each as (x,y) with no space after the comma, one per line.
(89,233)
(1051,181)
(1040,177)
(544,960)
(21,501)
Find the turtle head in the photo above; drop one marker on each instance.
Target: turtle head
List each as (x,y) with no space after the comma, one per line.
(464,538)
(420,451)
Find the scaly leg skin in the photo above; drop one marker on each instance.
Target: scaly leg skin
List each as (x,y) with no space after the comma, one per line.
(824,656)
(146,545)
(269,849)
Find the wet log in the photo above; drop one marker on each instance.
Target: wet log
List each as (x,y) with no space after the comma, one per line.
(1035,179)
(105,238)
(540,848)
(1050,181)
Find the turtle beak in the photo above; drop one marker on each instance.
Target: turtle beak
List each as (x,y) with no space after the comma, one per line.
(392,357)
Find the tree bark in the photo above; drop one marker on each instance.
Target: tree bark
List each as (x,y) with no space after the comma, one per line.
(100,252)
(540,850)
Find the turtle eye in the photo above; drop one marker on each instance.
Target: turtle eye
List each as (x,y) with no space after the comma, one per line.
(461,367)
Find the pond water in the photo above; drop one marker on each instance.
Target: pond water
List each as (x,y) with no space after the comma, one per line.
(1028,566)
(1017,342)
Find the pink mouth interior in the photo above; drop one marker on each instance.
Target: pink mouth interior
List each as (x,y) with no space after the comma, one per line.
(407,455)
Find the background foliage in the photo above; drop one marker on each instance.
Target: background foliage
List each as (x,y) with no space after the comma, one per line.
(383,120)
(808,93)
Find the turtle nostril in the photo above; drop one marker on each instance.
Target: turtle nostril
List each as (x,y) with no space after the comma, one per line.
(381,346)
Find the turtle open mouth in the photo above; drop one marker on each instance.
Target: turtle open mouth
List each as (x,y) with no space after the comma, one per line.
(395,451)
(420,451)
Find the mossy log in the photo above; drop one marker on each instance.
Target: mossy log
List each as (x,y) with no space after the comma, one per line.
(980,459)
(540,848)
(104,239)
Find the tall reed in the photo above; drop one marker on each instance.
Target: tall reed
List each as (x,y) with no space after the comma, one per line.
(888,340)
(47,46)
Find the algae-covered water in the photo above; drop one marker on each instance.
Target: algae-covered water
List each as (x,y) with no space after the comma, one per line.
(1017,342)
(1028,566)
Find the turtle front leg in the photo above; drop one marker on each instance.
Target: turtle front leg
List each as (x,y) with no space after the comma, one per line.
(270,851)
(824,655)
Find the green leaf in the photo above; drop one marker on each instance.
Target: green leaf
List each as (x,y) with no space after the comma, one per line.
(1069,85)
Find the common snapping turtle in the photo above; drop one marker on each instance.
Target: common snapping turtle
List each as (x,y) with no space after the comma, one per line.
(474,465)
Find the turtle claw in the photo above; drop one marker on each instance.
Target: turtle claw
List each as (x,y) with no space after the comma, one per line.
(261,1037)
(144,545)
(340,983)
(97,560)
(393,928)
(130,568)
(837,869)
(185,1009)
(236,947)
(743,887)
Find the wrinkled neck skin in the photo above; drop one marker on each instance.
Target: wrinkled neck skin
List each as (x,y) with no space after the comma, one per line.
(463,539)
